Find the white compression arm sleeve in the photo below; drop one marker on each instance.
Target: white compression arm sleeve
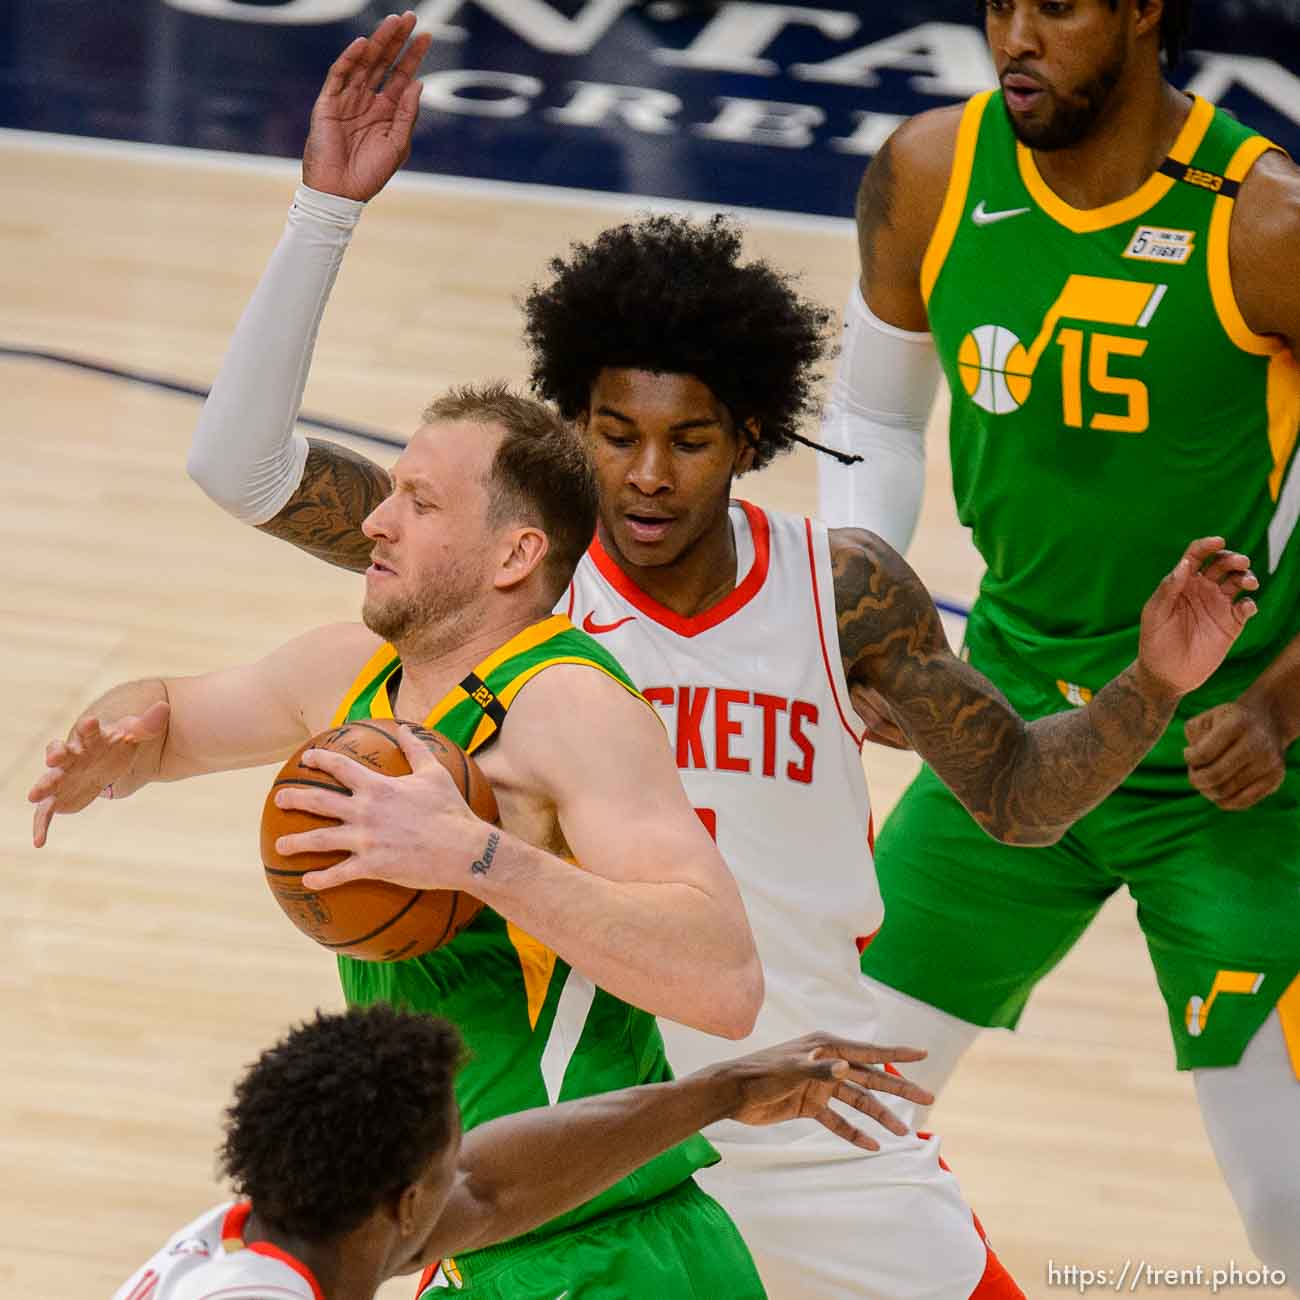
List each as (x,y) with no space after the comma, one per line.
(246,455)
(879,407)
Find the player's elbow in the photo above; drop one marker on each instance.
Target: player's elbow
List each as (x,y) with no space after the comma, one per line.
(1019,835)
(742,991)
(214,479)
(252,490)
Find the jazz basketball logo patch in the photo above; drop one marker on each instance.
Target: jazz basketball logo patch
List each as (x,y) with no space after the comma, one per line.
(997,370)
(1158,244)
(1197,1014)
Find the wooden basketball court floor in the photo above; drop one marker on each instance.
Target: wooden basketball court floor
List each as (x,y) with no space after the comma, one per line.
(147,964)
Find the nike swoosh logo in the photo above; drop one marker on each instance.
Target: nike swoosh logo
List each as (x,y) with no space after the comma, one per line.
(981,217)
(590,625)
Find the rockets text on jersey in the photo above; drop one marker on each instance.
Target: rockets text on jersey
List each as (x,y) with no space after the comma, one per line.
(753,695)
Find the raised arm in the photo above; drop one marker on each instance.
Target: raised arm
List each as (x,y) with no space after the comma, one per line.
(588,1145)
(246,454)
(1026,783)
(652,914)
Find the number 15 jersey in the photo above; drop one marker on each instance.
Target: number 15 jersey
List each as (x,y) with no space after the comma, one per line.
(1110,404)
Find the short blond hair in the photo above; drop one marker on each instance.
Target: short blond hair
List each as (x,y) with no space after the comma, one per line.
(542,472)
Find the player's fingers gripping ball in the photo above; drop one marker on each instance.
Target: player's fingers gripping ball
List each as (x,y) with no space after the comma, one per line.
(370,919)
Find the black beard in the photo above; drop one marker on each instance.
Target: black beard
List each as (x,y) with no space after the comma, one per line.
(1069,125)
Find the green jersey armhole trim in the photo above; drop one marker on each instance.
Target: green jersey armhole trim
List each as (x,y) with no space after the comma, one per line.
(954,199)
(379,666)
(1221,291)
(1087,221)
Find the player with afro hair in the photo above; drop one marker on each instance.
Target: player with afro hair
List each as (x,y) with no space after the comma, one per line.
(671,296)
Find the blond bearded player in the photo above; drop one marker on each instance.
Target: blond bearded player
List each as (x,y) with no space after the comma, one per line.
(493,502)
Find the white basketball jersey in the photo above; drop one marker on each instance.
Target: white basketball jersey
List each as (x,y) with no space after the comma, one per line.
(207,1259)
(753,694)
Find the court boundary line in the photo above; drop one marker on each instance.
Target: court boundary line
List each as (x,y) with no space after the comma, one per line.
(13,352)
(428,182)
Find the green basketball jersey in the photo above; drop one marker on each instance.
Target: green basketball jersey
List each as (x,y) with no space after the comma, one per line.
(1110,404)
(537,1032)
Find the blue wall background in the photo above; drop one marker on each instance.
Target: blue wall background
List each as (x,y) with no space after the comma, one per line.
(775,106)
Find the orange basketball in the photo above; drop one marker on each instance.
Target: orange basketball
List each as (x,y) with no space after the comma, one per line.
(370,919)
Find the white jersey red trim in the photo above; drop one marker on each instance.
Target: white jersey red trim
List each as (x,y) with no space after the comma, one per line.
(208,1260)
(753,694)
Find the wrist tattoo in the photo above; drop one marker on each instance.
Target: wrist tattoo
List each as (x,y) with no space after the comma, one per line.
(482,865)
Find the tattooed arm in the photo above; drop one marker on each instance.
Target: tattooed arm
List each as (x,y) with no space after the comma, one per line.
(1026,783)
(339,488)
(247,454)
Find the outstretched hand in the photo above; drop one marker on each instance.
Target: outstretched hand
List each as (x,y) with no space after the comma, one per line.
(799,1079)
(1195,614)
(87,765)
(364,116)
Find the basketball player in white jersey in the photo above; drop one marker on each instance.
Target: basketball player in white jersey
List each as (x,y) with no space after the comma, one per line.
(746,629)
(337,1194)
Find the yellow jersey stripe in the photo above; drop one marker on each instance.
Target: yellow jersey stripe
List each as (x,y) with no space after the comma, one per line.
(508,695)
(537,964)
(526,640)
(1225,301)
(529,638)
(1087,221)
(954,200)
(383,658)
(1283,414)
(1288,1012)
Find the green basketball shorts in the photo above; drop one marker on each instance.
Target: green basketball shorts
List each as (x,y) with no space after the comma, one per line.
(681,1245)
(972,925)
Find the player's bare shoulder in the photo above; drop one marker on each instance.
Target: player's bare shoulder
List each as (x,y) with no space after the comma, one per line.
(573,709)
(317,669)
(569,728)
(1264,247)
(902,192)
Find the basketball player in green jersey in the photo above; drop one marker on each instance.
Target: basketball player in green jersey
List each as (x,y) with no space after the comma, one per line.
(556,985)
(1110,270)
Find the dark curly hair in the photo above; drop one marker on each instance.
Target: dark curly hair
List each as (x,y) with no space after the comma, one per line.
(343,1112)
(670,295)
